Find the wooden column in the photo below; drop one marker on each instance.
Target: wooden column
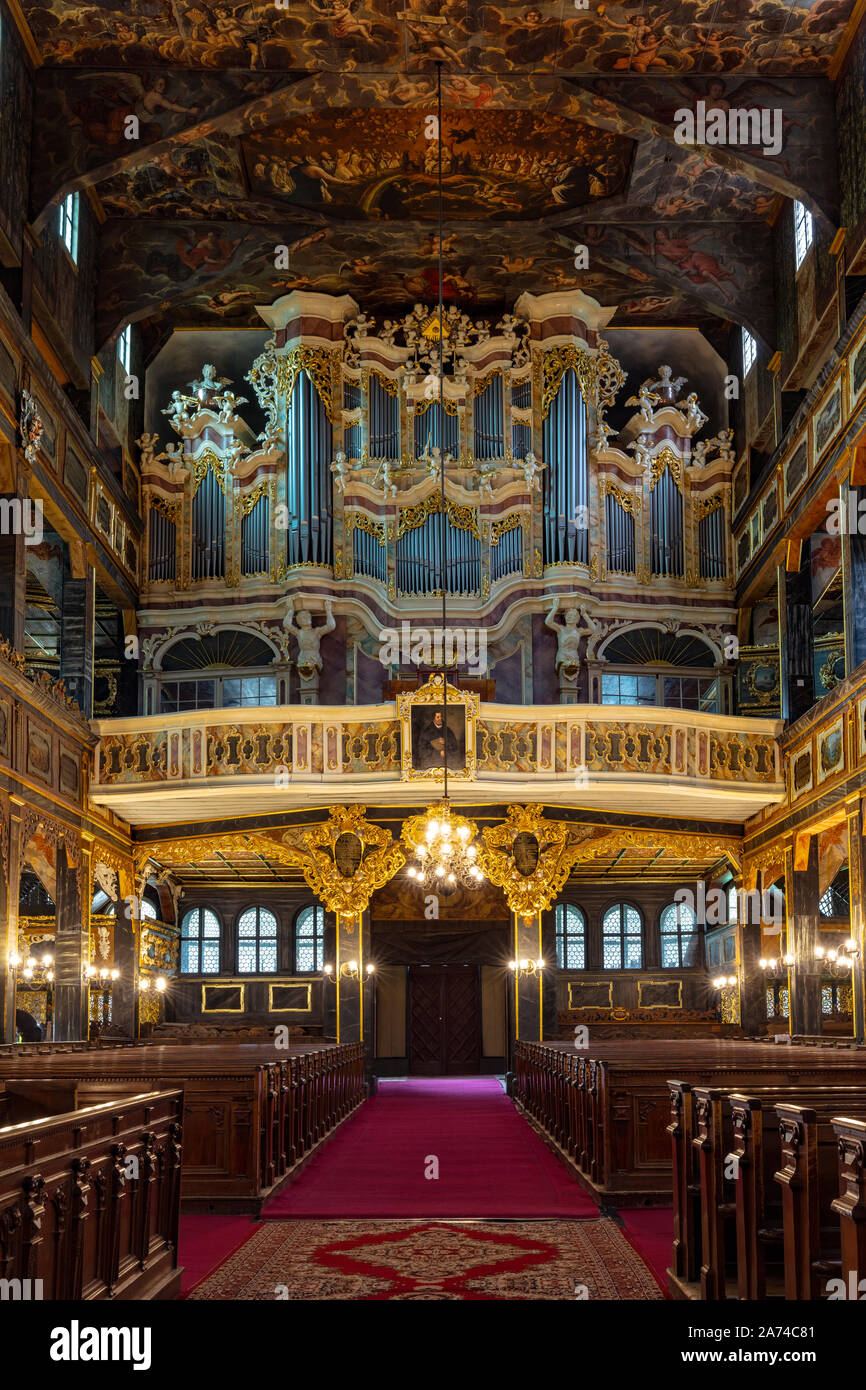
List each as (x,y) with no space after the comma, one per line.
(753,1008)
(13,580)
(801,907)
(9,907)
(127,929)
(77,636)
(857,888)
(72,951)
(528,1013)
(796,660)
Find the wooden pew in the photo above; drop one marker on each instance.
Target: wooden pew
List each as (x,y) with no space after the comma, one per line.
(252,1112)
(72,1216)
(850,1204)
(614,1126)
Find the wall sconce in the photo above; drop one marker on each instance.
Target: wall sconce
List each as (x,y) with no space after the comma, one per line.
(99,979)
(158,985)
(838,962)
(526,967)
(348,971)
(40,972)
(723,981)
(777,967)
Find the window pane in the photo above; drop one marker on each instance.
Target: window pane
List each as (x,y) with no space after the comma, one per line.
(189,957)
(632,954)
(611,923)
(190,924)
(231,693)
(211,923)
(210,962)
(268,690)
(575,955)
(246,956)
(670,950)
(612,955)
(672,689)
(267,922)
(628,687)
(268,956)
(305,957)
(632,920)
(646,689)
(247,923)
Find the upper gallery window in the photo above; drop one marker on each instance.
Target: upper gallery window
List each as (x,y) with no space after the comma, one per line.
(257,941)
(694,686)
(679,943)
(803,232)
(750,352)
(570,937)
(68,224)
(622,938)
(124,346)
(200,942)
(309,939)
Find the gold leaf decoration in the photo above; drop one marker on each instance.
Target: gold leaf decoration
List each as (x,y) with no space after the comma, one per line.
(463,518)
(314,852)
(559,846)
(554,366)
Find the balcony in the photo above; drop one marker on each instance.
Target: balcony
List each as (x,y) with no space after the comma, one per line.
(211,764)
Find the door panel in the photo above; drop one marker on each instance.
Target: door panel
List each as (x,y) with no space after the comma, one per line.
(444,1020)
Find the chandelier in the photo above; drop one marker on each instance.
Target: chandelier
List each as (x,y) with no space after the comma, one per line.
(444,850)
(442,842)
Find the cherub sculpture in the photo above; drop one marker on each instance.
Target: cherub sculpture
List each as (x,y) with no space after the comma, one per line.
(695,417)
(532,471)
(339,468)
(147,443)
(308,638)
(666,388)
(646,400)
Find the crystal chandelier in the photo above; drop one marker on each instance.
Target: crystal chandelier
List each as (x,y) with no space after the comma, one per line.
(444,850)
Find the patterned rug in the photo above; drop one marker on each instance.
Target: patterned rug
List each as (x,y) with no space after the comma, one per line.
(442,1260)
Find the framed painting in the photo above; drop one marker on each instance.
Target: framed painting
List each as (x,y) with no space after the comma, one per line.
(436,730)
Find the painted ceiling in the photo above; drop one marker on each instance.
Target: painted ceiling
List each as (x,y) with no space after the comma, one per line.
(302,125)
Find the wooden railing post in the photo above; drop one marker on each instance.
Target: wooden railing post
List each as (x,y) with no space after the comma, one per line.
(798,1178)
(851,1202)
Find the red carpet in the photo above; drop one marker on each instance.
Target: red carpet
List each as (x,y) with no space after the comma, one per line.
(651,1231)
(205,1242)
(491,1163)
(474,1261)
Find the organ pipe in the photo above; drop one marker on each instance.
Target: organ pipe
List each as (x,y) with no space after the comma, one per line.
(162,547)
(566,480)
(255,553)
(308,457)
(666,525)
(620,537)
(489,421)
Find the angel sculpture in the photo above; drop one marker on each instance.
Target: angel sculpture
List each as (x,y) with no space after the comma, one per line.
(532,472)
(234,454)
(172,457)
(695,417)
(228,403)
(339,468)
(209,383)
(665,387)
(719,447)
(646,400)
(388,331)
(308,638)
(147,443)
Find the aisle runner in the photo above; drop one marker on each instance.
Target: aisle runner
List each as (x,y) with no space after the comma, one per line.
(420,1260)
(490,1162)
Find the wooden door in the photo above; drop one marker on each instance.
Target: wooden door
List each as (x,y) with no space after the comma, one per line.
(444,1020)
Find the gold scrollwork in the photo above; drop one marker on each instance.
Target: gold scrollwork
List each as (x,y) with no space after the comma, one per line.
(316,362)
(506,523)
(392,388)
(558,849)
(480,385)
(360,521)
(422,406)
(666,459)
(313,851)
(208,459)
(463,518)
(705,505)
(629,501)
(170,510)
(249,500)
(554,366)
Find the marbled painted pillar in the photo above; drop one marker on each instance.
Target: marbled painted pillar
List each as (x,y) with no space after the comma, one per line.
(9,927)
(801,906)
(857,888)
(77,638)
(354,995)
(72,951)
(528,1011)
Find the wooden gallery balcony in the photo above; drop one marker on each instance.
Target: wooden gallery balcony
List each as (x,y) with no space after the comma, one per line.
(162,769)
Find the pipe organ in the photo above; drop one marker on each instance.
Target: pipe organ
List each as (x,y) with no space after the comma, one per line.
(341,489)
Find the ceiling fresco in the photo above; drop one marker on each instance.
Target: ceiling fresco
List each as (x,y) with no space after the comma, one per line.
(706,36)
(259,127)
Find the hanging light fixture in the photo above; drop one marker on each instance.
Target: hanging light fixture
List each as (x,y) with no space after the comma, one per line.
(442,842)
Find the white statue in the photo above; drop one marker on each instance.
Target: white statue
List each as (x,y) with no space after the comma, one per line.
(172,457)
(532,470)
(235,452)
(308,637)
(569,633)
(147,443)
(695,417)
(339,468)
(665,386)
(719,447)
(181,409)
(646,400)
(209,382)
(228,404)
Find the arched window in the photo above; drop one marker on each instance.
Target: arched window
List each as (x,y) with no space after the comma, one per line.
(200,942)
(570,937)
(835,901)
(310,939)
(257,941)
(679,936)
(148,910)
(622,944)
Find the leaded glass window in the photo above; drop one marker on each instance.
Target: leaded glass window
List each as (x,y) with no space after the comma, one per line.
(679,942)
(622,944)
(570,937)
(257,941)
(309,939)
(200,943)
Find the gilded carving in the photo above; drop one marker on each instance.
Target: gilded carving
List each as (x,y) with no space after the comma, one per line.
(314,851)
(529,890)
